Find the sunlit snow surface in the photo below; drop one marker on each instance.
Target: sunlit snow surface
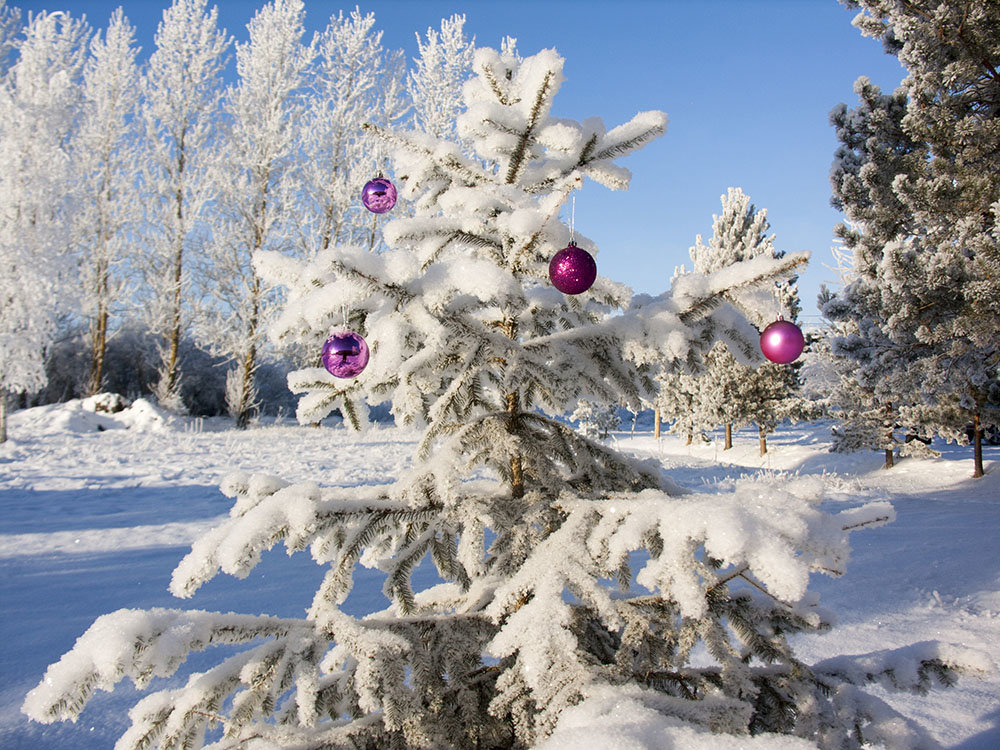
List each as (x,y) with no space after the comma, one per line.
(95,520)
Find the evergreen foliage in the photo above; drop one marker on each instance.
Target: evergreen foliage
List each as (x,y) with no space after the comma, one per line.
(916,177)
(596,420)
(533,529)
(729,392)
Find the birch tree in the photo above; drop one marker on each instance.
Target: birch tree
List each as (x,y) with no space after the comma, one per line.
(10,28)
(39,103)
(181,96)
(435,82)
(254,196)
(356,81)
(105,161)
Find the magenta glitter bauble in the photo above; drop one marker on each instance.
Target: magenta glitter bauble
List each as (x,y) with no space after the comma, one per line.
(345,354)
(378,195)
(572,270)
(782,342)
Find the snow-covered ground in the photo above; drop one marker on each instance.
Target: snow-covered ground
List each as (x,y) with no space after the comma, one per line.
(98,509)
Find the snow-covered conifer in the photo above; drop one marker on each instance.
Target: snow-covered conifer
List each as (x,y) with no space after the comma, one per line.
(181,93)
(677,394)
(916,177)
(104,155)
(255,206)
(39,104)
(596,420)
(731,393)
(525,520)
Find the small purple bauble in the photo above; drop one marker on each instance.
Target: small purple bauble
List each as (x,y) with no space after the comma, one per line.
(379,195)
(572,270)
(345,354)
(782,342)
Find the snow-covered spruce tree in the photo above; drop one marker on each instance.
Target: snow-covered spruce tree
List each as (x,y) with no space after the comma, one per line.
(729,392)
(916,174)
(596,420)
(254,194)
(528,523)
(104,153)
(677,401)
(181,93)
(864,422)
(39,104)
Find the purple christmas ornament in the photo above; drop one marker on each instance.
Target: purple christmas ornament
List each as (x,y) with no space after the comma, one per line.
(572,270)
(782,342)
(345,354)
(379,195)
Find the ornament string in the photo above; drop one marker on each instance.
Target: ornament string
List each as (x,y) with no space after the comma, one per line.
(572,220)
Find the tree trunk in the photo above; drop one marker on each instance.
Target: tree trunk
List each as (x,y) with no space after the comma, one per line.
(656,423)
(889,460)
(3,416)
(98,350)
(977,446)
(174,334)
(762,436)
(102,291)
(246,388)
(690,438)
(250,361)
(516,468)
(729,436)
(99,334)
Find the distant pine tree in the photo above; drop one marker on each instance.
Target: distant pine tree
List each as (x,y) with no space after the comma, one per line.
(915,176)
(731,393)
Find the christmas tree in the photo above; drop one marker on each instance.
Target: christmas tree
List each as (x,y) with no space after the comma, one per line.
(533,528)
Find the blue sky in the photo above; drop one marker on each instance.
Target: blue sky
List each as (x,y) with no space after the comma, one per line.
(748,86)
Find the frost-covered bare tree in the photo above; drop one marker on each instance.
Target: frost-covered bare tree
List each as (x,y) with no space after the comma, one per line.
(39,104)
(435,82)
(104,156)
(355,81)
(255,204)
(181,93)
(916,177)
(10,29)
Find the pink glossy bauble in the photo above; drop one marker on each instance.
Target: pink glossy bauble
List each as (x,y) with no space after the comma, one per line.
(572,270)
(378,195)
(782,342)
(345,354)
